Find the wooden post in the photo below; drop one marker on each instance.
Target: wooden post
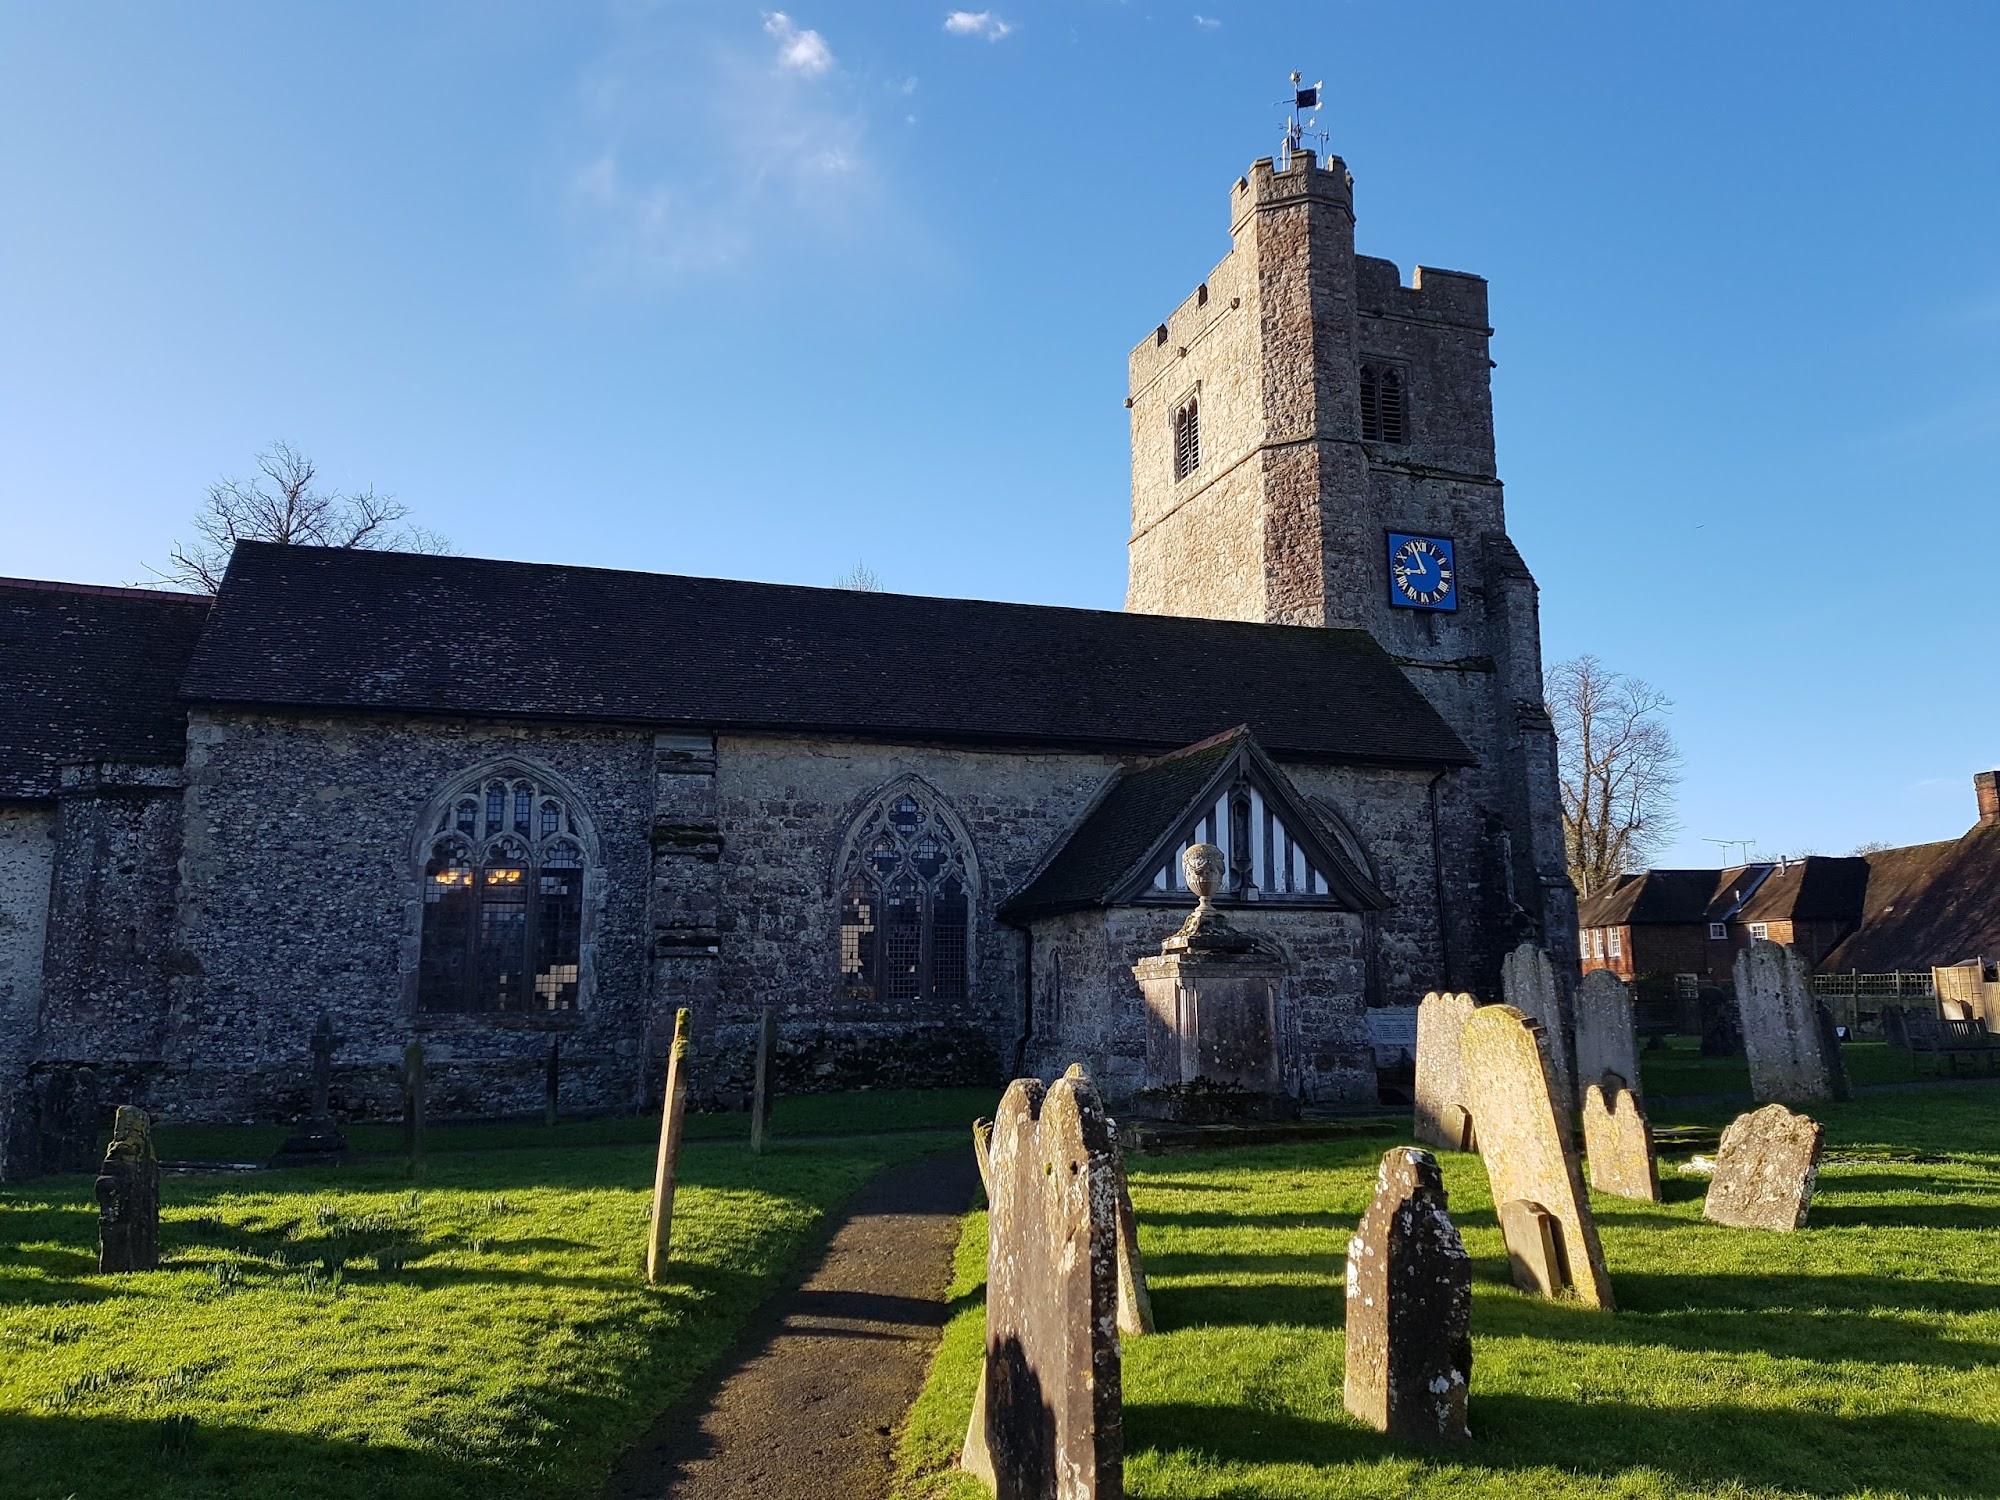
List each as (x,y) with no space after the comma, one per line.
(760,1095)
(552,1082)
(670,1153)
(413,1106)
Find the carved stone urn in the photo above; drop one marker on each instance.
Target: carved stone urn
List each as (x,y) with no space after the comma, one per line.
(1206,868)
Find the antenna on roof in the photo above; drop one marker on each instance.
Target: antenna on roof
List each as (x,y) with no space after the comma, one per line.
(1301,124)
(1747,846)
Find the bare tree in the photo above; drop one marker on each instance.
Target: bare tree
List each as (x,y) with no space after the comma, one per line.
(1618,767)
(861,578)
(282,505)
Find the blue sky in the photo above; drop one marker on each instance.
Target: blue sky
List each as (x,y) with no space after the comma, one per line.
(718,289)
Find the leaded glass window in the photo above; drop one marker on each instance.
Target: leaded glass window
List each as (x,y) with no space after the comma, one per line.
(905,906)
(503,902)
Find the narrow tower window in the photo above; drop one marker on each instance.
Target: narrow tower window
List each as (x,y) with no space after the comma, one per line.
(1382,404)
(1187,439)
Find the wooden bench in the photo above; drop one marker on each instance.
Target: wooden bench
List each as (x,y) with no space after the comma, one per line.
(1923,1033)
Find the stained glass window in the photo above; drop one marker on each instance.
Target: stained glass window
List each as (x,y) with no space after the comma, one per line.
(503,905)
(905,915)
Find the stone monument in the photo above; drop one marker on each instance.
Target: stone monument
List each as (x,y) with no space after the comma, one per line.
(1529,983)
(318,1140)
(1617,1140)
(1049,1419)
(764,1079)
(128,1196)
(1212,1003)
(666,1167)
(1537,1188)
(1443,1110)
(413,1108)
(1409,1307)
(1765,1171)
(1783,1034)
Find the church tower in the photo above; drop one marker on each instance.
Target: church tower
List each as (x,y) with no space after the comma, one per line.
(1312,444)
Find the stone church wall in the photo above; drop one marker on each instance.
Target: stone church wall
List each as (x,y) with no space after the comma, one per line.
(27,863)
(302,895)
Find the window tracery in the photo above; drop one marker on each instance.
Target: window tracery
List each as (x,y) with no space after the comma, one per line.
(503,882)
(905,908)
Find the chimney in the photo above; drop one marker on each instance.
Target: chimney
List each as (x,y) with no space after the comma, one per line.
(1986,786)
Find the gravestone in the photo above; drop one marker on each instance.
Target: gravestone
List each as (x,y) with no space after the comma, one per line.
(413,1107)
(1896,1027)
(318,1140)
(1528,1155)
(552,1083)
(1409,1307)
(1617,1140)
(128,1196)
(982,1152)
(1529,982)
(1443,1109)
(1721,1026)
(1049,1420)
(1782,1031)
(765,1079)
(1765,1170)
(53,1117)
(666,1168)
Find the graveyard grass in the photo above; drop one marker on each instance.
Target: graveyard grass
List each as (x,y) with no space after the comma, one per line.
(1860,1356)
(342,1332)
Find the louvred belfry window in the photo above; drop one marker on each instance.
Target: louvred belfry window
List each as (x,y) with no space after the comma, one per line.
(1382,419)
(905,908)
(1187,439)
(503,901)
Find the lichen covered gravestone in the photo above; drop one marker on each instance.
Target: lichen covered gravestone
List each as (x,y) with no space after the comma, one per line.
(1617,1140)
(128,1196)
(1409,1307)
(1537,1187)
(1528,981)
(666,1167)
(1765,1171)
(1787,1041)
(1443,1107)
(1049,1421)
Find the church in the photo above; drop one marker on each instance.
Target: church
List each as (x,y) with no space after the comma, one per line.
(525,812)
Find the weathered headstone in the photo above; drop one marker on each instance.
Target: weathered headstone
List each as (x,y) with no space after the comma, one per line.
(413,1107)
(1721,1026)
(765,1081)
(1618,1143)
(1617,1140)
(1409,1307)
(1050,1419)
(318,1139)
(1529,982)
(1765,1171)
(1896,1027)
(128,1196)
(53,1117)
(1782,1034)
(1443,1109)
(1829,1049)
(1135,1298)
(982,1152)
(1527,1151)
(552,1083)
(665,1169)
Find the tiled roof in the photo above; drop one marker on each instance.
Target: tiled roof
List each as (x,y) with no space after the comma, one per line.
(1650,896)
(1819,887)
(1927,905)
(90,674)
(322,628)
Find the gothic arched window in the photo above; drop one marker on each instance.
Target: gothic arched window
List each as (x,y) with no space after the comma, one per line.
(1187,439)
(905,904)
(503,899)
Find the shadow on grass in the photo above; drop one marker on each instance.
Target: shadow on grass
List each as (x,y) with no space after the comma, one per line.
(1719,1445)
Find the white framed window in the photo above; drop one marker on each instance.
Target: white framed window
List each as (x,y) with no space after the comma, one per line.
(1718,930)
(1760,930)
(1617,942)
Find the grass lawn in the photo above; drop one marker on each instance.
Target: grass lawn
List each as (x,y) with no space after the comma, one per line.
(342,1333)
(1680,1069)
(1858,1357)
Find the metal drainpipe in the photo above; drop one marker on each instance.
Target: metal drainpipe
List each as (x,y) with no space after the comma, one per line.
(1437,883)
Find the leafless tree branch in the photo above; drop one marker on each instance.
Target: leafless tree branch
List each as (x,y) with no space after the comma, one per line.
(1618,769)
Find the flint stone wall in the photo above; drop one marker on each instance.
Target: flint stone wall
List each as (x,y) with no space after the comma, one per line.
(27,862)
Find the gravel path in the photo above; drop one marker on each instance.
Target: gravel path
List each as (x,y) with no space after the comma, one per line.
(808,1408)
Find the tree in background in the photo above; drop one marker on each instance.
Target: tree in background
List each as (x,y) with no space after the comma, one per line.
(281,505)
(861,578)
(1619,769)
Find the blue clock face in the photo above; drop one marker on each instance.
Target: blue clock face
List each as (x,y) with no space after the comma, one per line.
(1421,572)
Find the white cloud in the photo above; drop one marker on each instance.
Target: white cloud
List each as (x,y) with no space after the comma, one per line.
(979,23)
(1206,23)
(802,51)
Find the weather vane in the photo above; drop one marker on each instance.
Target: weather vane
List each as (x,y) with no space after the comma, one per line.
(1301,124)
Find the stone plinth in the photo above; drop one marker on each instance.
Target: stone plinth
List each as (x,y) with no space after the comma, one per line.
(128,1196)
(1783,1035)
(1528,1156)
(1765,1171)
(1529,982)
(1409,1307)
(1049,1418)
(1212,1016)
(1443,1108)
